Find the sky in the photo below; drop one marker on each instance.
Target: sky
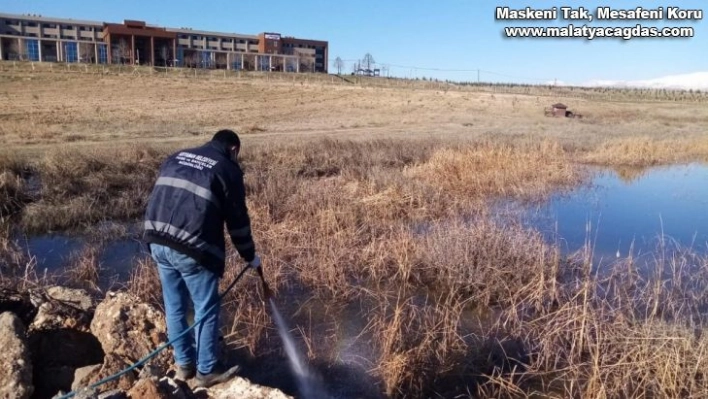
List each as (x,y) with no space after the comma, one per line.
(452,39)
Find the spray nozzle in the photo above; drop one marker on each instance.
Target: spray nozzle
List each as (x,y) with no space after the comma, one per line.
(266,290)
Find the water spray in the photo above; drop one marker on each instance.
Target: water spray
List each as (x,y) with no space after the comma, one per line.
(299,368)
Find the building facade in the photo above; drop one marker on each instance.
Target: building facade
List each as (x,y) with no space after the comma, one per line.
(42,39)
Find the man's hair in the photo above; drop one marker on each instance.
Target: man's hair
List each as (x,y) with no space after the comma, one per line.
(228,137)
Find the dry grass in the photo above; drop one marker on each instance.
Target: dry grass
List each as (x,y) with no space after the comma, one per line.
(497,170)
(81,188)
(144,282)
(378,196)
(85,270)
(624,335)
(646,151)
(49,109)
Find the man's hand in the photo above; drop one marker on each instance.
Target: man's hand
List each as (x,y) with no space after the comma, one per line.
(255,263)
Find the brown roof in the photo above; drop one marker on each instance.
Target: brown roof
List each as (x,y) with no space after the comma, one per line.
(560,106)
(133,28)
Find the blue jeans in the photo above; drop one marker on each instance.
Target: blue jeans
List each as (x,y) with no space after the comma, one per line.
(183,279)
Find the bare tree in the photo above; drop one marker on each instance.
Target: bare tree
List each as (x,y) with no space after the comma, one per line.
(221,60)
(17,49)
(192,59)
(368,62)
(339,64)
(122,51)
(87,51)
(307,64)
(307,61)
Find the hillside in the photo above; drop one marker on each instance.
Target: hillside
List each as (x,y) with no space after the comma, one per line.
(50,104)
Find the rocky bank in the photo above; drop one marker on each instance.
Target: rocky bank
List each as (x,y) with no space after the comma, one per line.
(58,340)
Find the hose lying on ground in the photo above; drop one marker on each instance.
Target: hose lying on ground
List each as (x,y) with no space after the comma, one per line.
(165,345)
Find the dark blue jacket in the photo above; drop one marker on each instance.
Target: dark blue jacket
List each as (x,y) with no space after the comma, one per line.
(197,191)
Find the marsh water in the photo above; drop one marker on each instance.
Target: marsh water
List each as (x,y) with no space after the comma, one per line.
(117,248)
(648,213)
(645,212)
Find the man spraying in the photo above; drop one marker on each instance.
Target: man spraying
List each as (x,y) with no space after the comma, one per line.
(197,191)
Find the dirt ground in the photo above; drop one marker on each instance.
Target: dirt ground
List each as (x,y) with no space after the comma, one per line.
(46,108)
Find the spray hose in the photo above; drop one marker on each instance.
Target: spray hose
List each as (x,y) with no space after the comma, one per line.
(268,294)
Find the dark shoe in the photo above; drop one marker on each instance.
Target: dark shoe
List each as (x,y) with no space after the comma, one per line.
(185,373)
(219,375)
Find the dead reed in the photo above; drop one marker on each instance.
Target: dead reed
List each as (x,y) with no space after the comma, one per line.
(85,269)
(404,227)
(646,151)
(81,188)
(144,282)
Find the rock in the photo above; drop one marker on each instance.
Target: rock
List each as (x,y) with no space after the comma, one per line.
(130,329)
(79,299)
(83,375)
(15,365)
(93,394)
(64,308)
(83,393)
(114,394)
(19,303)
(150,371)
(242,388)
(112,364)
(147,389)
(175,389)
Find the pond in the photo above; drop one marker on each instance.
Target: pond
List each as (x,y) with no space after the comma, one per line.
(651,213)
(116,253)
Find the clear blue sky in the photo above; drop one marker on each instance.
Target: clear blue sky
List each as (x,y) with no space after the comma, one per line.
(445,35)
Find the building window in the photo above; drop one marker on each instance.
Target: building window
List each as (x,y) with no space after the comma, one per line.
(71,51)
(32,47)
(32,24)
(102,54)
(50,26)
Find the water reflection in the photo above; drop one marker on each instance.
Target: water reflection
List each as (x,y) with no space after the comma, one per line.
(649,213)
(54,253)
